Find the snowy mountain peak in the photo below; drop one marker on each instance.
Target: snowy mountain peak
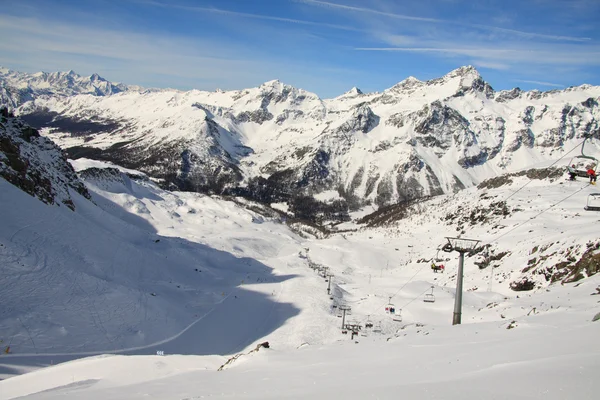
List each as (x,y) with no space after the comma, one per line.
(352,93)
(19,87)
(274,84)
(467,79)
(409,83)
(467,70)
(95,77)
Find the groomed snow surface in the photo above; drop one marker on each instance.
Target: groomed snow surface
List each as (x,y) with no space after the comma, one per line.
(201,279)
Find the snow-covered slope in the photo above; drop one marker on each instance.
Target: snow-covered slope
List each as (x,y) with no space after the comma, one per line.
(109,286)
(276,142)
(140,270)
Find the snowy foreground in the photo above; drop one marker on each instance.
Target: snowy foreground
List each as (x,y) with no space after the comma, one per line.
(202,279)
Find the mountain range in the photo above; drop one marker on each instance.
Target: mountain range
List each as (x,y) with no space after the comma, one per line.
(277,143)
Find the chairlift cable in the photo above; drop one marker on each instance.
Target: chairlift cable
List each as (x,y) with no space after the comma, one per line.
(535,216)
(551,165)
(496,238)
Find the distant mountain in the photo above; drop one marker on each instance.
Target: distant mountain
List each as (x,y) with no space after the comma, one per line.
(17,88)
(278,143)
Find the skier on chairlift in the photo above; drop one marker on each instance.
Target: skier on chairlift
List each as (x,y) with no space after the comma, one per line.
(437,268)
(572,172)
(592,174)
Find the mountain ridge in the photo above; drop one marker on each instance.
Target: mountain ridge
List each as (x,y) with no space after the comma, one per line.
(276,142)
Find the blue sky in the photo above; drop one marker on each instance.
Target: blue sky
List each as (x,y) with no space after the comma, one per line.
(325,47)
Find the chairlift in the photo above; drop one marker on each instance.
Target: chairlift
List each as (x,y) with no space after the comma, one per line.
(429,297)
(437,267)
(390,308)
(593,202)
(368,323)
(580,164)
(397,316)
(437,255)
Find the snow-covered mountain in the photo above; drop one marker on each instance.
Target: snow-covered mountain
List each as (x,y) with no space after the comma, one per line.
(17,88)
(278,143)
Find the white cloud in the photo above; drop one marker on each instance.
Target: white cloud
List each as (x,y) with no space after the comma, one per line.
(556,55)
(245,15)
(150,59)
(372,11)
(540,83)
(369,11)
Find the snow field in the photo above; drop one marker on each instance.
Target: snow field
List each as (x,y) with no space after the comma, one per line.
(102,264)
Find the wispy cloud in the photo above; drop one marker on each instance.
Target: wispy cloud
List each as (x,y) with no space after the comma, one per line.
(369,11)
(443,21)
(149,59)
(565,55)
(215,10)
(540,83)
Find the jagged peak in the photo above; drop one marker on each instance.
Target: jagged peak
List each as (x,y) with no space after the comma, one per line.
(467,70)
(411,79)
(407,83)
(96,77)
(274,84)
(354,92)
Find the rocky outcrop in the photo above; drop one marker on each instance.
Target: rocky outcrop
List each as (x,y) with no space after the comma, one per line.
(362,120)
(35,164)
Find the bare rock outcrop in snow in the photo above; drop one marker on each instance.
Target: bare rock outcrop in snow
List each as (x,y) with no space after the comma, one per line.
(35,164)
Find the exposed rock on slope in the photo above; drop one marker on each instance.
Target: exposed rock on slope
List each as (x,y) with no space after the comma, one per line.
(35,164)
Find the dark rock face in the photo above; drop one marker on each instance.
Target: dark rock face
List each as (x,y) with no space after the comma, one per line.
(438,124)
(363,120)
(75,126)
(507,95)
(35,164)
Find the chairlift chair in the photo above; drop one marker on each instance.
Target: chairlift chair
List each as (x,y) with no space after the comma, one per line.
(429,297)
(579,165)
(397,316)
(593,202)
(377,328)
(437,267)
(390,308)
